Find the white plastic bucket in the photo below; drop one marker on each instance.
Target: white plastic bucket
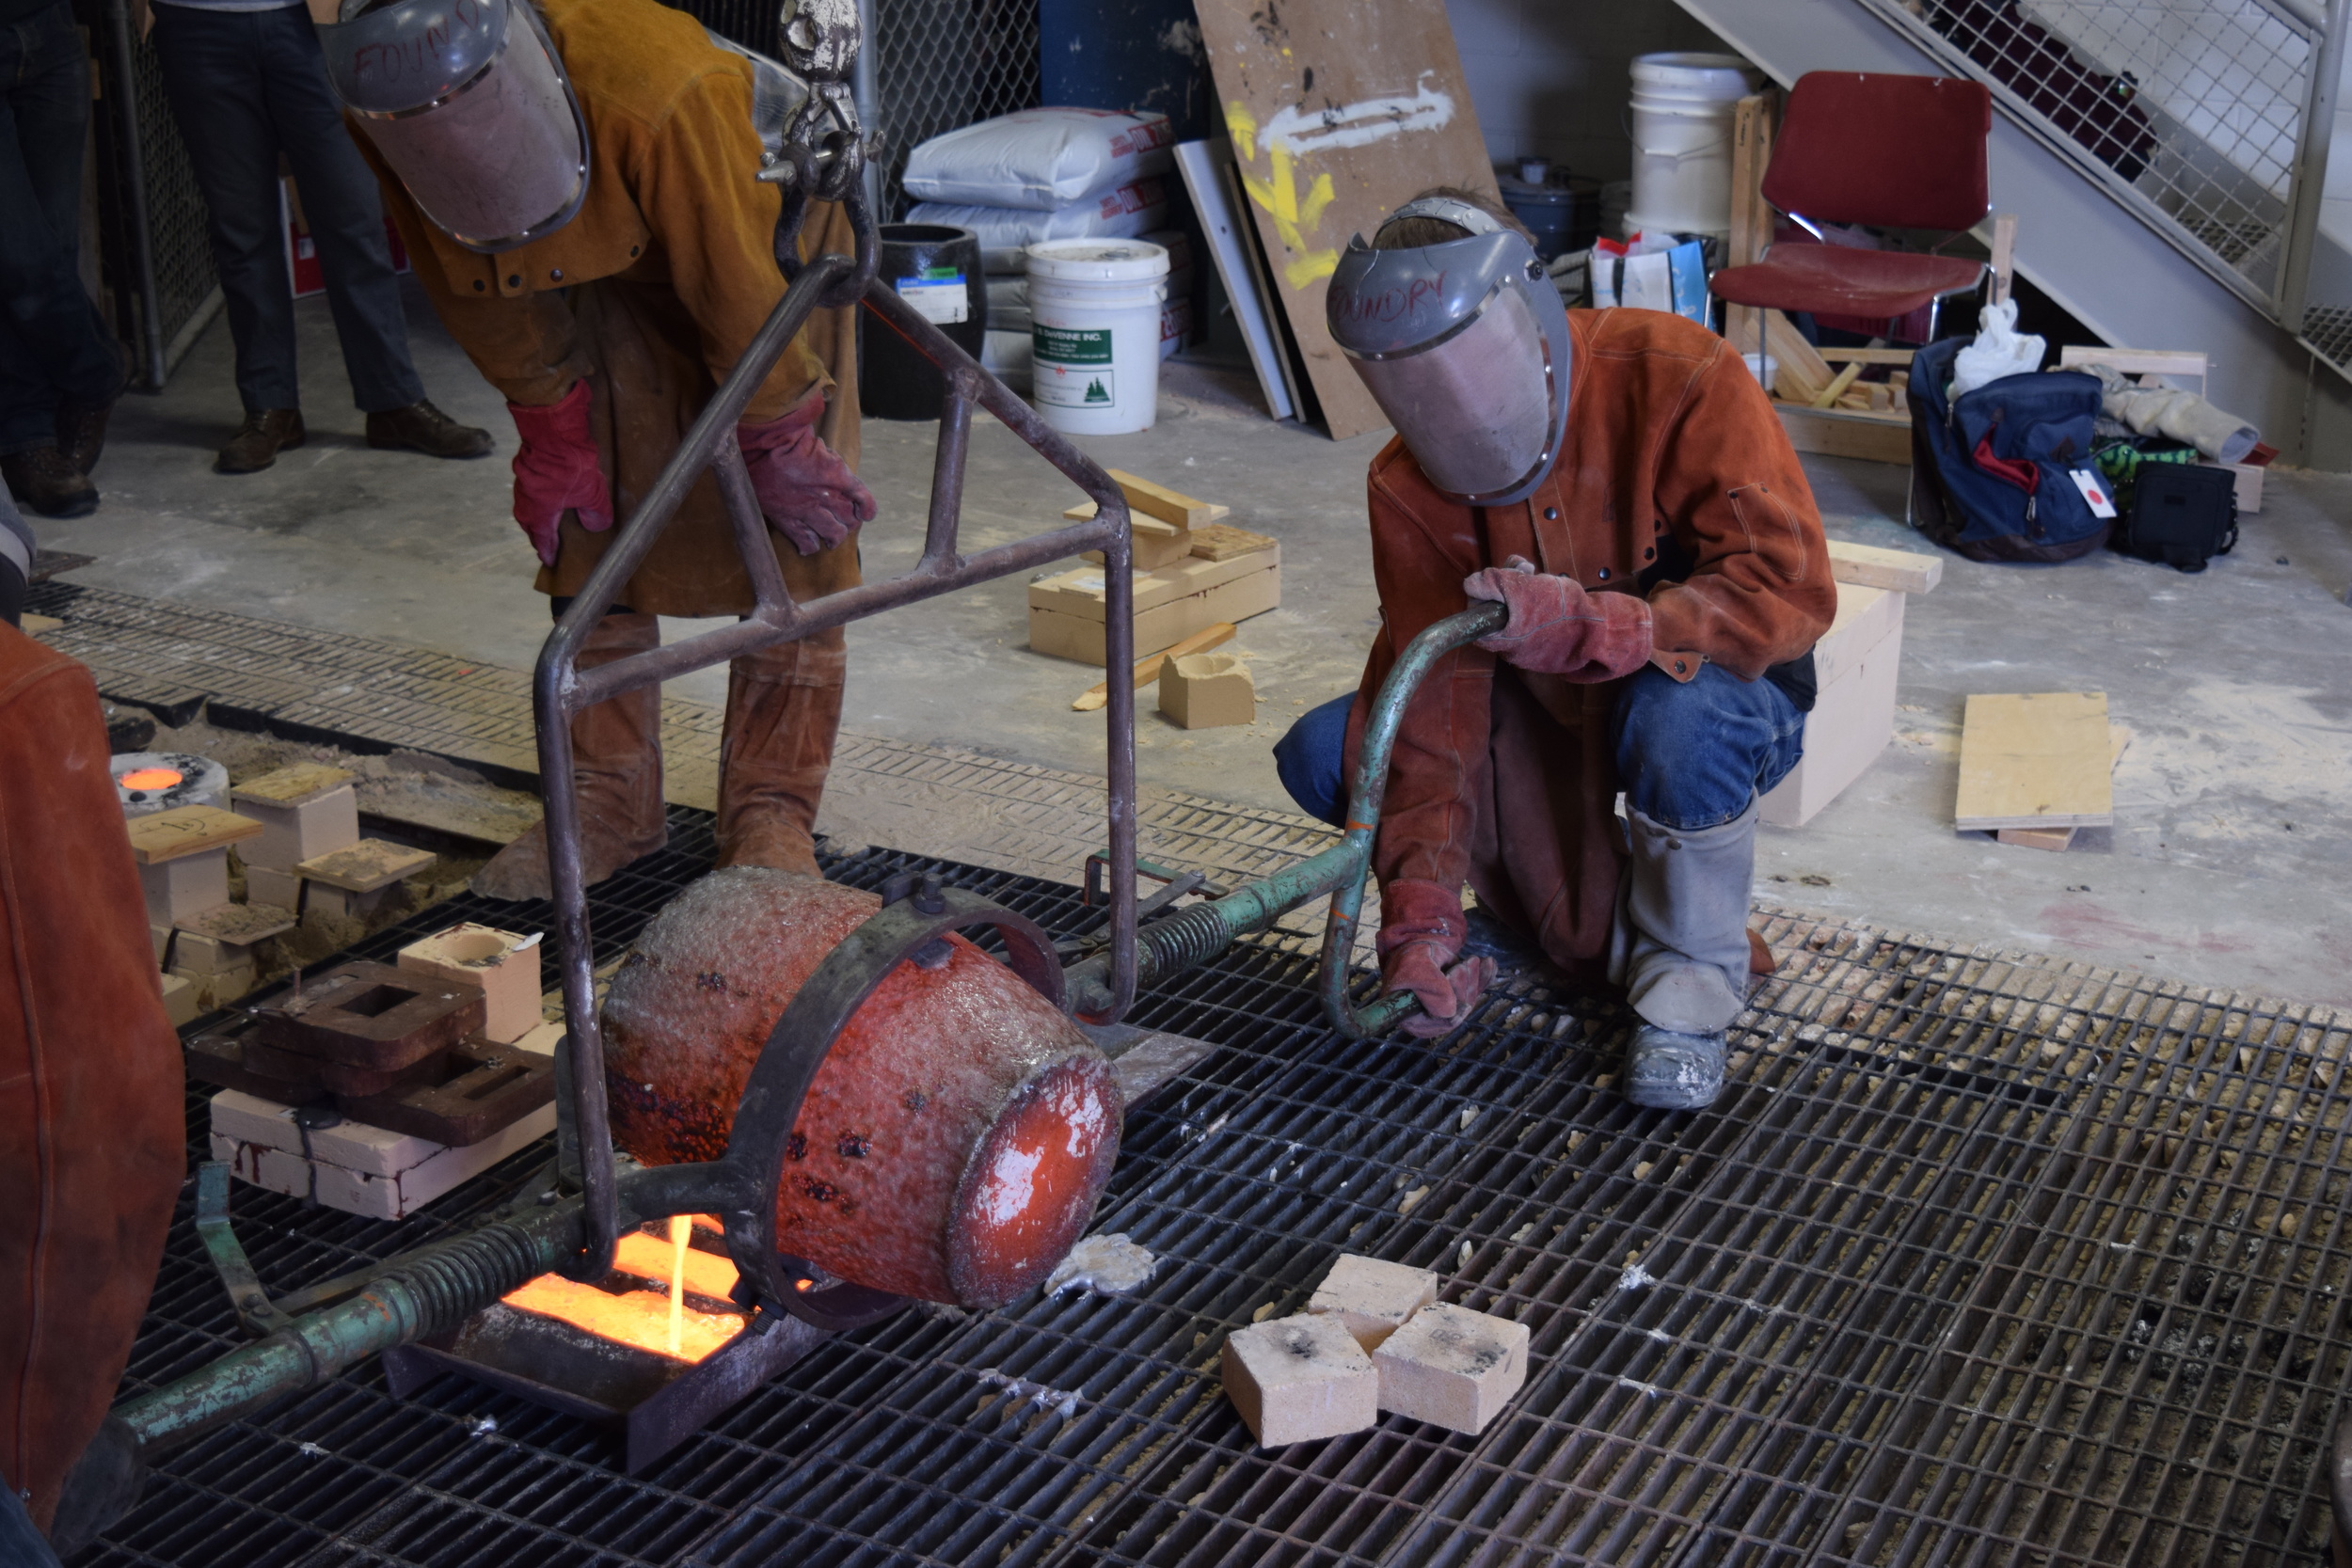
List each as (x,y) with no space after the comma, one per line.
(1094,308)
(1682,123)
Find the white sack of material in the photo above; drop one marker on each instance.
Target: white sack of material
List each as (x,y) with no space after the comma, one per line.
(1041,160)
(1123,213)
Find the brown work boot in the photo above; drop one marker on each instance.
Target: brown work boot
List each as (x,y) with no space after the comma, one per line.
(783,709)
(616,763)
(44,480)
(426,429)
(82,433)
(260,439)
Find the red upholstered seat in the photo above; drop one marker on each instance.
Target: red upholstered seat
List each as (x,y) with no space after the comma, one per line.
(1837,282)
(1887,151)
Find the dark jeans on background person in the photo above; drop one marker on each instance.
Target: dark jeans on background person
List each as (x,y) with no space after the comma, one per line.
(1689,755)
(53,346)
(245,86)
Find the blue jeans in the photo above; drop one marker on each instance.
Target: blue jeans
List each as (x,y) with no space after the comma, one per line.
(53,346)
(1689,755)
(245,87)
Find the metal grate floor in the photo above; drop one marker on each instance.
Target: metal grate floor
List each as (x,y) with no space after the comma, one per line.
(1980,1260)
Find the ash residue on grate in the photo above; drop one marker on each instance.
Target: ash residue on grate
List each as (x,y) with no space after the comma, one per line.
(1979,1260)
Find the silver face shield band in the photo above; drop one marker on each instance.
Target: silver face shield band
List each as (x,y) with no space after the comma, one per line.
(1464,346)
(466,100)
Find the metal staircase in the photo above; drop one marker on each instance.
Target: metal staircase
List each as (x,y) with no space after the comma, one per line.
(2205,122)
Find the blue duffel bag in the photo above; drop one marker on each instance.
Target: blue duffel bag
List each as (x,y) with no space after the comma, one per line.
(1994,472)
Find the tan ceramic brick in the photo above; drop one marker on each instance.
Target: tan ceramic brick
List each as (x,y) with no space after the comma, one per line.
(293,834)
(187,885)
(263,886)
(1299,1378)
(1372,1297)
(504,965)
(193,954)
(179,1001)
(1452,1367)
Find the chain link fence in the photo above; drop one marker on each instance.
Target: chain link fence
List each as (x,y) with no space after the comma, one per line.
(940,64)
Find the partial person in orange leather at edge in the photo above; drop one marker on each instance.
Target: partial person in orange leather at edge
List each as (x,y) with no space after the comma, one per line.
(1620,482)
(606,305)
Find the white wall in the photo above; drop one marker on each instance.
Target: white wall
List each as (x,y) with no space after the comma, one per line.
(1550,76)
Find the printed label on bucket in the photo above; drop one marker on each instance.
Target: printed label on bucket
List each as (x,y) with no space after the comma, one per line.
(939,294)
(1070,367)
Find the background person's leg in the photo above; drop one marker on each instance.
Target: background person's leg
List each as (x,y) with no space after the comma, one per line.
(1311,759)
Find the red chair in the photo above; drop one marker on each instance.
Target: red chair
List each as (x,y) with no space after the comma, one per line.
(1888,152)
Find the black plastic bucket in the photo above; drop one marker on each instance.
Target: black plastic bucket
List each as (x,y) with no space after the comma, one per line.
(935,267)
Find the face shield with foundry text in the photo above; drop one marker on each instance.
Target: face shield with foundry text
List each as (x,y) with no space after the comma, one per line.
(1465,347)
(468,102)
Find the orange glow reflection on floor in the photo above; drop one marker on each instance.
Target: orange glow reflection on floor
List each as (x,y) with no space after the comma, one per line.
(640,1318)
(150,778)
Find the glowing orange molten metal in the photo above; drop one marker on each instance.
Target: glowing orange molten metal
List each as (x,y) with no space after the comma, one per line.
(150,778)
(632,1306)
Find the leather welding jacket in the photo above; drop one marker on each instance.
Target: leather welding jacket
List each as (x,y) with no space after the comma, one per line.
(93,1128)
(653,291)
(1675,482)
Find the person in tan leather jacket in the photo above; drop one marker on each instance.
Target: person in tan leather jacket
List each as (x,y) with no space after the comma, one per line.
(1650,530)
(608,328)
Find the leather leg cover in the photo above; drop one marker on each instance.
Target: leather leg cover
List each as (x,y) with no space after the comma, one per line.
(784,711)
(1681,947)
(616,762)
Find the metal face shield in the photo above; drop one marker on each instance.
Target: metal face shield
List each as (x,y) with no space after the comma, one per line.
(1464,346)
(468,102)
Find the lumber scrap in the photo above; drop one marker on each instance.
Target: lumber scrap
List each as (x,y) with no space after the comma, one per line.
(1870,566)
(1147,669)
(2035,760)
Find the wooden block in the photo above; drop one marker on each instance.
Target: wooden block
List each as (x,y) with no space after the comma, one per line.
(1857,664)
(1837,384)
(1903,571)
(1207,692)
(1223,542)
(165,836)
(1158,500)
(179,1001)
(186,886)
(242,924)
(1842,433)
(293,785)
(323,822)
(1452,1367)
(1151,551)
(33,625)
(2038,838)
(1798,358)
(1373,1298)
(1148,668)
(504,965)
(1299,1378)
(367,866)
(1070,626)
(2035,760)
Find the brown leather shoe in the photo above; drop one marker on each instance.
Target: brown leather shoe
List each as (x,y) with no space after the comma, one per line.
(426,429)
(616,762)
(82,433)
(784,711)
(44,480)
(260,439)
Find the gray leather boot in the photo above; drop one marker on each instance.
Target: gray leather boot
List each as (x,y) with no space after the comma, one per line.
(1681,953)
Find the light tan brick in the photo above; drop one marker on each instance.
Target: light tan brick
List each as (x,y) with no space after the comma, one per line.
(504,965)
(179,1001)
(184,886)
(1452,1367)
(1299,1378)
(263,886)
(293,834)
(195,954)
(1373,1298)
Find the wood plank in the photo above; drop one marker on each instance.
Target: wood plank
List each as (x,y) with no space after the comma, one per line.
(293,784)
(2136,362)
(2035,760)
(1901,357)
(1148,668)
(1340,111)
(1837,384)
(1137,522)
(166,835)
(2004,249)
(1802,371)
(1751,214)
(369,864)
(1870,566)
(1847,432)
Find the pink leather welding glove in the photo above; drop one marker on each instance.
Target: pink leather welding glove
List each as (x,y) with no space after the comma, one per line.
(1421,930)
(556,470)
(1556,628)
(805,491)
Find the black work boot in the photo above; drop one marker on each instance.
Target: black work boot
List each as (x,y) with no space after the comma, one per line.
(260,439)
(82,433)
(43,479)
(422,427)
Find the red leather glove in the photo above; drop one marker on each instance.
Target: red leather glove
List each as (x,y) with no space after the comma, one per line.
(1556,628)
(556,470)
(805,491)
(1421,929)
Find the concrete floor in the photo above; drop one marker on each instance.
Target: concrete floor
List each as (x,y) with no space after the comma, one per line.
(2225,866)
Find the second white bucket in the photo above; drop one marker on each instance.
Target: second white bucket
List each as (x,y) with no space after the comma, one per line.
(1094,306)
(1682,123)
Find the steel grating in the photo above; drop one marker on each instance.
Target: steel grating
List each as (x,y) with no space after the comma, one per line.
(1982,1259)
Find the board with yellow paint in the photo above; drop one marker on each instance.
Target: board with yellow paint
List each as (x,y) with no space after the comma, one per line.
(1341,111)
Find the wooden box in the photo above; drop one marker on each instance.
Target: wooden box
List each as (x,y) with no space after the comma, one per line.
(1066,609)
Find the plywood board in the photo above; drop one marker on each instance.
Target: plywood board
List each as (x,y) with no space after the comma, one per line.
(1340,111)
(2036,760)
(166,835)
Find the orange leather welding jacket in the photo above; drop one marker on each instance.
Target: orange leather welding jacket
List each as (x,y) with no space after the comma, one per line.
(93,1130)
(1674,464)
